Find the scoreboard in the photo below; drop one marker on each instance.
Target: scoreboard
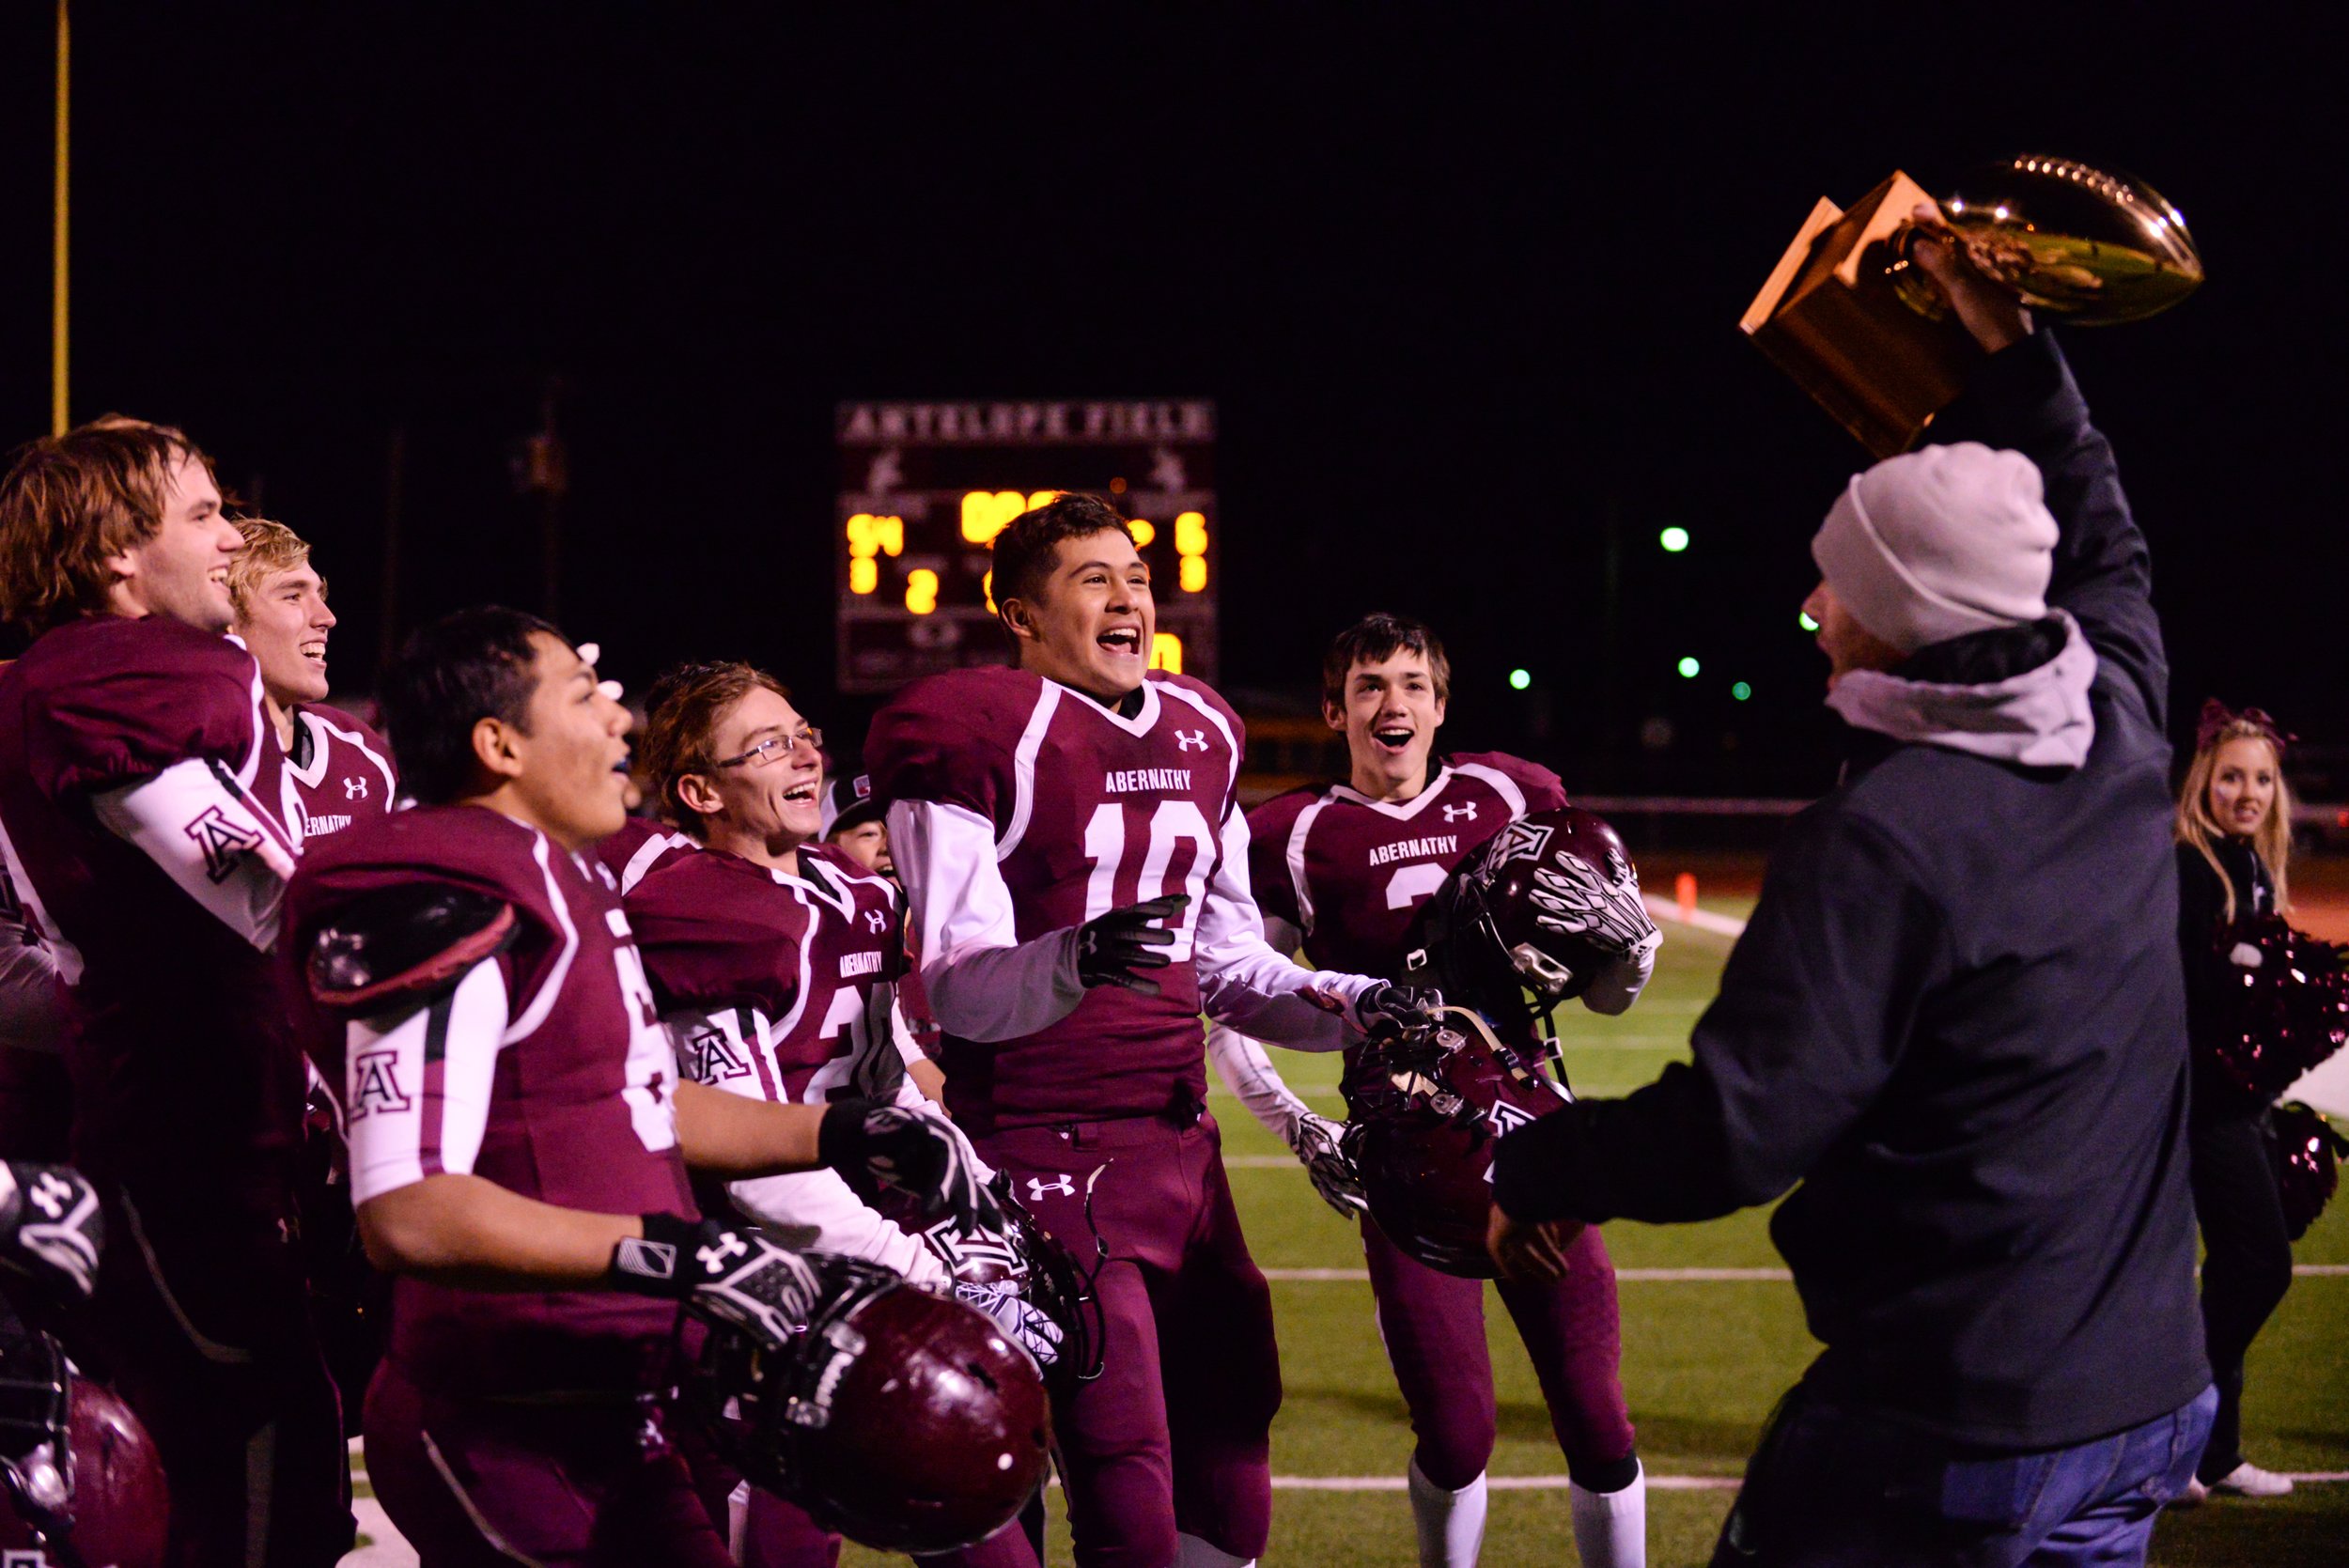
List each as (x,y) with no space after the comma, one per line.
(925,487)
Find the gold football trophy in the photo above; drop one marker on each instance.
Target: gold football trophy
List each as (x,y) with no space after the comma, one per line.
(1846,314)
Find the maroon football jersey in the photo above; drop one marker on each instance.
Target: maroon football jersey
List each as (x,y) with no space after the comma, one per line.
(721,933)
(1350,872)
(340,773)
(1092,811)
(641,846)
(184,1067)
(580,1110)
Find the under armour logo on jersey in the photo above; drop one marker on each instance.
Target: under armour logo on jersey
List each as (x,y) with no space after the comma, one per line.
(374,1083)
(50,1194)
(1191,740)
(714,1257)
(225,843)
(1037,1187)
(354,789)
(874,919)
(1464,812)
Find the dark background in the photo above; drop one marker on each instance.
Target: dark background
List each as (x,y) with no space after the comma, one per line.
(1460,288)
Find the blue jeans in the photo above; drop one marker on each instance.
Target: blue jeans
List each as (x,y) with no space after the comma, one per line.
(1833,1486)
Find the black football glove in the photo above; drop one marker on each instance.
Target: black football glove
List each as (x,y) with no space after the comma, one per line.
(728,1271)
(1111,948)
(51,1227)
(918,1151)
(1389,1012)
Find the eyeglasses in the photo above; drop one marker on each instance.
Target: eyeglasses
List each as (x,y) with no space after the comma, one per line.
(776,747)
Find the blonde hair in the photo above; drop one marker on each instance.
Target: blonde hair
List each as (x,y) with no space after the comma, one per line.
(2271,841)
(270,548)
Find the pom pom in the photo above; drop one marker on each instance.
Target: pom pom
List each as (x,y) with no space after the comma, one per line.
(2278,1017)
(2308,1154)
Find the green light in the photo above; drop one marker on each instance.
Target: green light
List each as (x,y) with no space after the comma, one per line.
(1802,619)
(1690,669)
(1521,679)
(1741,690)
(1673,539)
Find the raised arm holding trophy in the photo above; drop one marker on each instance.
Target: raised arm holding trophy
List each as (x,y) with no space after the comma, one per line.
(1846,314)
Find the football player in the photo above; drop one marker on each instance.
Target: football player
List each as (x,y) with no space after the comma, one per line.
(130,737)
(335,769)
(855,825)
(1342,868)
(519,1141)
(1070,841)
(773,957)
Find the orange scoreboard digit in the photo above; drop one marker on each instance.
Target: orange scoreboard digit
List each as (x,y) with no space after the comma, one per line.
(925,487)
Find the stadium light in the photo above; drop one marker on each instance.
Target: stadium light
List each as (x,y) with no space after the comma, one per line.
(1675,539)
(1690,668)
(1802,619)
(1741,690)
(1521,679)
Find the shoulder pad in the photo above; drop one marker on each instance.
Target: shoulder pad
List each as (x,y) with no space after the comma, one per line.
(405,943)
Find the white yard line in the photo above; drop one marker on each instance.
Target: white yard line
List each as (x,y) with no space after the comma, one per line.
(1690,1275)
(1703,919)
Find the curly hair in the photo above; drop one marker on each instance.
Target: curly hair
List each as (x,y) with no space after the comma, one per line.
(69,502)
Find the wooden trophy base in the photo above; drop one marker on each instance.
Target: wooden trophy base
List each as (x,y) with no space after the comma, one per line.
(1830,318)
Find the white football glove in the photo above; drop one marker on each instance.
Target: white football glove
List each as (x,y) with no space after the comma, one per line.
(1036,1333)
(1315,1140)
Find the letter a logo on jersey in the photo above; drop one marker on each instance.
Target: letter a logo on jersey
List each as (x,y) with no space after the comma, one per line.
(374,1083)
(225,843)
(711,1057)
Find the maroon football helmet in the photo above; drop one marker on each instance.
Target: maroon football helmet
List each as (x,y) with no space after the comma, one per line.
(906,1421)
(1423,1112)
(1544,906)
(79,1480)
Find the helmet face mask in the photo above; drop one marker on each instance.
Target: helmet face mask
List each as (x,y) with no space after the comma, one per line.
(1025,1257)
(1526,923)
(1423,1113)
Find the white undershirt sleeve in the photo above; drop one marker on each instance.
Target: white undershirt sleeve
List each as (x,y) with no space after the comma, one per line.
(1245,981)
(1249,1073)
(909,1049)
(816,1211)
(210,837)
(404,1121)
(982,982)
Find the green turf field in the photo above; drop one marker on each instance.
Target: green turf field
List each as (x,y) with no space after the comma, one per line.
(1703,1362)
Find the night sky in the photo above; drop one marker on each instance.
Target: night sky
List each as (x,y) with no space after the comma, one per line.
(1461,291)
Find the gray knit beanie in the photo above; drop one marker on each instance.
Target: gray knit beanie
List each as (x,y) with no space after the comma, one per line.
(1939,542)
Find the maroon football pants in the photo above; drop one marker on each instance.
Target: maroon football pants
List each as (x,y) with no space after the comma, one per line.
(480,1484)
(1433,1328)
(205,1320)
(1175,1434)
